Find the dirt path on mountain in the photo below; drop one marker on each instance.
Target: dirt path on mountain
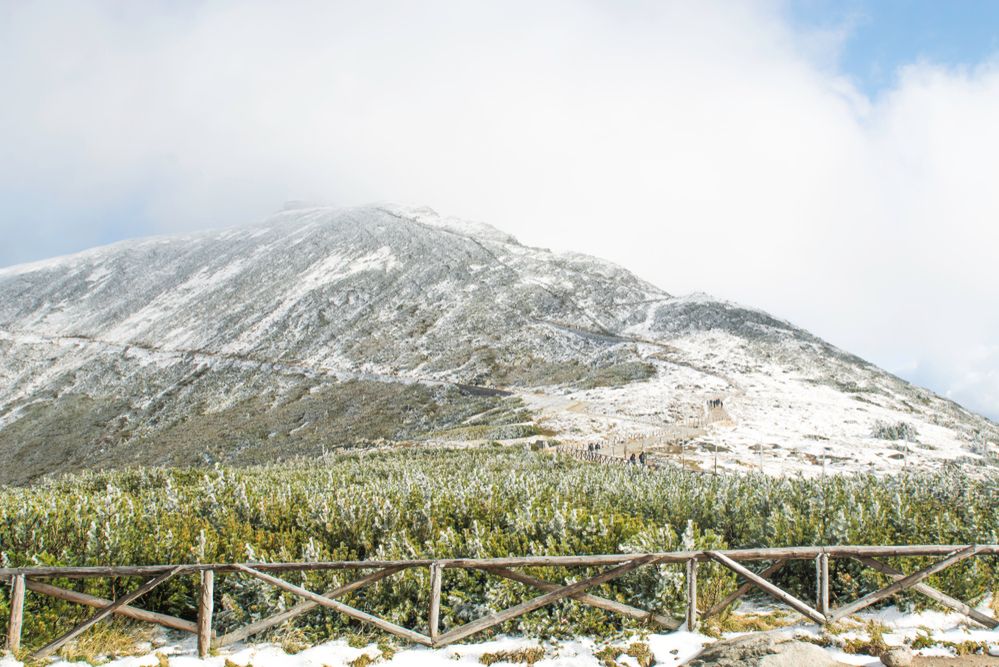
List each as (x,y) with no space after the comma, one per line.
(964,661)
(556,403)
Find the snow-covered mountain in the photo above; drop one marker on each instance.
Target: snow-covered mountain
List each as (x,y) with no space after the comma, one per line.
(322,328)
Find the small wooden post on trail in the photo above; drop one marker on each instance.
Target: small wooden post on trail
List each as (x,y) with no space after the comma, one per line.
(435,600)
(692,595)
(822,584)
(16,614)
(206,607)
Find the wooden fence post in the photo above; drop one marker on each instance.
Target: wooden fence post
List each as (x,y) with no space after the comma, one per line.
(822,584)
(435,600)
(692,595)
(206,607)
(16,613)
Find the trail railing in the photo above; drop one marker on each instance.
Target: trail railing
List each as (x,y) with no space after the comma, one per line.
(617,565)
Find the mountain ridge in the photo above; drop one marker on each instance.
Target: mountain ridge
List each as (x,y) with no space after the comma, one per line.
(143,339)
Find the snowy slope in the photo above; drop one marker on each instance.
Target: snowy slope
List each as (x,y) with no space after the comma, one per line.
(209,344)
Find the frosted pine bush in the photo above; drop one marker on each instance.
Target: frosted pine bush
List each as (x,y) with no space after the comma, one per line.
(488,502)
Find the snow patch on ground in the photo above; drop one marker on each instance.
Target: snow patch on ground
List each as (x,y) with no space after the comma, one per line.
(675,648)
(782,419)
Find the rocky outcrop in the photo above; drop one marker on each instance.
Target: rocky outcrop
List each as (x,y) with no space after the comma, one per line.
(897,656)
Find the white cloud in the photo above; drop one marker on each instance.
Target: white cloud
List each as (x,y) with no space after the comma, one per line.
(707,146)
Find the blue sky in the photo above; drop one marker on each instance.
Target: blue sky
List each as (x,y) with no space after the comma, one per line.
(830,162)
(880,37)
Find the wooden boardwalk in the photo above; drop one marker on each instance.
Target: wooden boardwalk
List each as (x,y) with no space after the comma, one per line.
(818,610)
(664,445)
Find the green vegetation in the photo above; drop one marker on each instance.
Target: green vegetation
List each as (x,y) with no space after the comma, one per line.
(75,432)
(968,647)
(894,431)
(526,656)
(484,502)
(642,654)
(618,374)
(517,368)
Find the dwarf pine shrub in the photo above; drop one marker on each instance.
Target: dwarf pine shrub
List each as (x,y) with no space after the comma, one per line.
(479,503)
(894,431)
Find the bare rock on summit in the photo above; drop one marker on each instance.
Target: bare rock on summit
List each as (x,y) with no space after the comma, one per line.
(763,650)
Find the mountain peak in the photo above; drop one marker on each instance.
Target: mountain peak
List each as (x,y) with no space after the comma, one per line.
(323,327)
(427,216)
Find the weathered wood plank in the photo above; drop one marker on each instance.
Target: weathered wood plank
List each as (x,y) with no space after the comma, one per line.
(588,599)
(16,614)
(933,594)
(436,572)
(344,609)
(135,613)
(525,561)
(88,571)
(691,571)
(303,607)
(902,584)
(50,648)
(766,586)
(822,583)
(722,605)
(542,600)
(206,607)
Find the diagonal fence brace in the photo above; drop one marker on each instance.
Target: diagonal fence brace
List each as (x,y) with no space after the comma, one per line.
(902,583)
(542,600)
(344,609)
(52,647)
(135,613)
(303,607)
(724,603)
(587,599)
(932,593)
(767,587)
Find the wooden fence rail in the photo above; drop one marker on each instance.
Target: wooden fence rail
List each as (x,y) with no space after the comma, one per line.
(23,580)
(654,460)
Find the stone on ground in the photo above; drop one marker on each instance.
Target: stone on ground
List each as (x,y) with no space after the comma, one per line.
(898,656)
(763,650)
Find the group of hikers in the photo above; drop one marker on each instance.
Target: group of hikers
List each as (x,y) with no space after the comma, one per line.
(714,403)
(641,459)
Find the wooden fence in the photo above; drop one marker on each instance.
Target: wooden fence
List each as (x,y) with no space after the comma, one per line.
(589,455)
(32,579)
(653,461)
